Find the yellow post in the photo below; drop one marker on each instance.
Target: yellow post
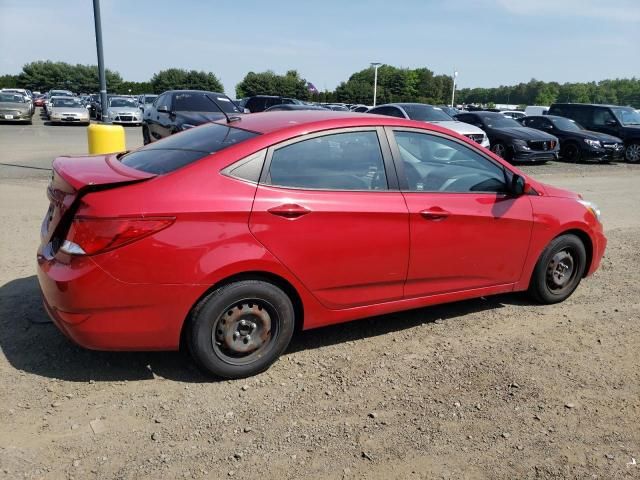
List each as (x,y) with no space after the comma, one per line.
(106,138)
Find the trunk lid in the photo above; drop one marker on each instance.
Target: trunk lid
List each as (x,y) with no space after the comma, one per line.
(72,177)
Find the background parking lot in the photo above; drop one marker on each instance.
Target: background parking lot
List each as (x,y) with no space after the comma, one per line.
(487,388)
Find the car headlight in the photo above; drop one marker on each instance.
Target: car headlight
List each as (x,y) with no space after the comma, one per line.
(186,126)
(521,145)
(592,207)
(593,143)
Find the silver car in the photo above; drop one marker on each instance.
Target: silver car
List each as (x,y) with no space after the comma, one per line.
(123,111)
(68,110)
(14,107)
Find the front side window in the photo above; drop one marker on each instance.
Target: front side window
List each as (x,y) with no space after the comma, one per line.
(340,161)
(602,116)
(434,164)
(198,102)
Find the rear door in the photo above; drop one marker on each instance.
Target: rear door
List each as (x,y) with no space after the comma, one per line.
(466,231)
(329,209)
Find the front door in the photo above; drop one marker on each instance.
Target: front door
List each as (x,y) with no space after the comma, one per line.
(466,231)
(329,210)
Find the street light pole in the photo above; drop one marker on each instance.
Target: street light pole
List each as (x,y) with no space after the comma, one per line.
(453,89)
(375,66)
(101,74)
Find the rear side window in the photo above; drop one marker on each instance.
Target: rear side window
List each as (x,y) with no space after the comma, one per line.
(340,161)
(176,151)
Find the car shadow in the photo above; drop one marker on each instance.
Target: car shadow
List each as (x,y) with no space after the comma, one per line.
(32,344)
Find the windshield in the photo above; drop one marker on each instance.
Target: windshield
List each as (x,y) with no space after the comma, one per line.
(177,151)
(60,93)
(426,113)
(67,102)
(566,124)
(122,103)
(499,121)
(627,116)
(11,98)
(198,102)
(150,98)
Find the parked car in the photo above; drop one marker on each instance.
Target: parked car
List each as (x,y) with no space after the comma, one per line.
(122,111)
(14,107)
(289,107)
(428,113)
(146,100)
(230,235)
(259,103)
(512,141)
(359,108)
(336,107)
(68,110)
(25,93)
(536,110)
(451,111)
(621,122)
(39,101)
(577,143)
(178,110)
(515,114)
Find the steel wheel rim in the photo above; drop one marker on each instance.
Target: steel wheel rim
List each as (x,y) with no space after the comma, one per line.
(499,150)
(633,153)
(245,331)
(561,271)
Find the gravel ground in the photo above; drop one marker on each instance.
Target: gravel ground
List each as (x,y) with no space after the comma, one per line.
(493,388)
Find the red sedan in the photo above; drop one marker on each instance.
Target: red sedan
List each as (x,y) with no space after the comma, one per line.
(232,234)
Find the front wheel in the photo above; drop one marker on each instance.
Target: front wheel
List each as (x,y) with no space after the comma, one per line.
(632,153)
(499,149)
(559,270)
(240,329)
(572,153)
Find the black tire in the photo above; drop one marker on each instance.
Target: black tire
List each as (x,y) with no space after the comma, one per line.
(240,329)
(559,270)
(146,138)
(501,150)
(572,153)
(632,153)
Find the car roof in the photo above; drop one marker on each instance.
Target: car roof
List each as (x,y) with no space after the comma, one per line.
(191,91)
(305,121)
(591,105)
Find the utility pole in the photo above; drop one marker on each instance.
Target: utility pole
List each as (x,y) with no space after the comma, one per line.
(453,89)
(375,66)
(101,74)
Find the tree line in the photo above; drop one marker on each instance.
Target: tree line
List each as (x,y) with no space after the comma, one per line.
(394,85)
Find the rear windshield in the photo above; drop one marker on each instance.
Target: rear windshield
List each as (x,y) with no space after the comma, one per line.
(179,150)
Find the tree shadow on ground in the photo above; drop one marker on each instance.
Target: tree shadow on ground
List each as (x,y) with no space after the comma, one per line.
(32,344)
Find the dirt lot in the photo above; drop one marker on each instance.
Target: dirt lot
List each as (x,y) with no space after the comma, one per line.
(494,388)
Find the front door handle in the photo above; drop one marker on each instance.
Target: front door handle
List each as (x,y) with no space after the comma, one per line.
(289,210)
(435,213)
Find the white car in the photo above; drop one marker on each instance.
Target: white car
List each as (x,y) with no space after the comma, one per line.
(123,111)
(430,114)
(515,114)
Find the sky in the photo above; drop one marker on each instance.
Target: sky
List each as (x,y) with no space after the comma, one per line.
(489,42)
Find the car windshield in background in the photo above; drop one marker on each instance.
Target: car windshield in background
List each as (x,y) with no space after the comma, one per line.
(66,102)
(149,99)
(61,93)
(566,124)
(627,116)
(122,103)
(499,121)
(426,113)
(177,151)
(198,102)
(11,98)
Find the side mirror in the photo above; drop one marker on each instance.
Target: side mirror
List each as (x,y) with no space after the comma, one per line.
(163,109)
(519,185)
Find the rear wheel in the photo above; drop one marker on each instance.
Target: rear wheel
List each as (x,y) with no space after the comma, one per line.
(632,153)
(240,329)
(572,153)
(559,270)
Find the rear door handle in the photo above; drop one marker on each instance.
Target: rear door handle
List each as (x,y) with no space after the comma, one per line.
(289,210)
(435,213)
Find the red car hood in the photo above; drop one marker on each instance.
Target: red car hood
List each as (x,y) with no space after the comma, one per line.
(552,191)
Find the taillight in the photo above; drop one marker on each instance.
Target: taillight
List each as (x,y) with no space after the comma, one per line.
(88,235)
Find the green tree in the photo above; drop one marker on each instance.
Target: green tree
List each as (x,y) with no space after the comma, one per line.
(291,84)
(45,75)
(179,79)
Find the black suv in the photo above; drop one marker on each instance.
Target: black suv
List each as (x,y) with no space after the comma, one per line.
(512,141)
(178,110)
(259,103)
(576,143)
(621,122)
